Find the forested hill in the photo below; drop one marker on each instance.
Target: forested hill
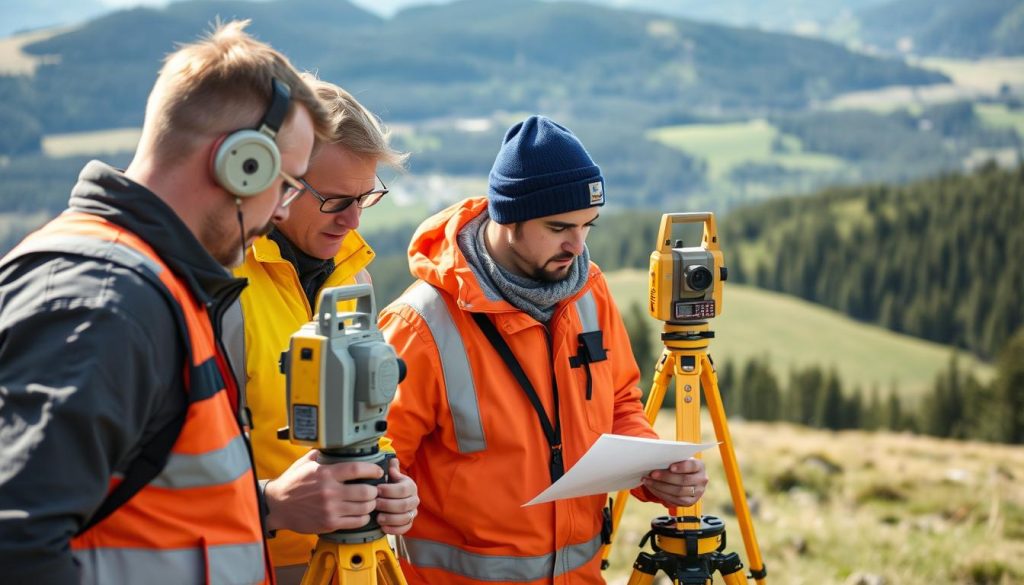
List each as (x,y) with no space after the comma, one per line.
(952,28)
(938,259)
(468,58)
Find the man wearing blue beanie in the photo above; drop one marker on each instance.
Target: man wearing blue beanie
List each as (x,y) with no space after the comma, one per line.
(517,362)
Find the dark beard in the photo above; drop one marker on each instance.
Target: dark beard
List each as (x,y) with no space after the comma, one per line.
(544,275)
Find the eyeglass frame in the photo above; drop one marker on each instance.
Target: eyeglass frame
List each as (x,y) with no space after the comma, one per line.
(348,199)
(296,187)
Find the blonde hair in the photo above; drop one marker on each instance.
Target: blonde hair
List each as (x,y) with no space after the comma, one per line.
(354,127)
(219,84)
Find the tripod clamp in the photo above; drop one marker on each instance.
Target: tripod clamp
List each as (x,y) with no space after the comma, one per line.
(690,555)
(687,335)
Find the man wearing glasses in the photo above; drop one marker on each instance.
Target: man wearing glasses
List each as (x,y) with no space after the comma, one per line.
(315,247)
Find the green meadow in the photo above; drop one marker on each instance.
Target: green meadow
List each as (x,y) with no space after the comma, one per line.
(858,508)
(726,146)
(793,333)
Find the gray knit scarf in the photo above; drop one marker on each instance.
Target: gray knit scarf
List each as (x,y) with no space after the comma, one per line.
(534,297)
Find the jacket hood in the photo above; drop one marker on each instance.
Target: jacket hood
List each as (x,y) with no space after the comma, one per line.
(106,192)
(435,257)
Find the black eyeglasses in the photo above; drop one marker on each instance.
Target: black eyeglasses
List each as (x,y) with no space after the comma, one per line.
(343,202)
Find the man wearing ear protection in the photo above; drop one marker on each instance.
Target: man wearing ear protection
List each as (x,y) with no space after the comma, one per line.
(315,247)
(123,456)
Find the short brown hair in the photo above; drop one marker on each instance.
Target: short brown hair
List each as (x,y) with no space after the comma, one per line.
(354,127)
(218,84)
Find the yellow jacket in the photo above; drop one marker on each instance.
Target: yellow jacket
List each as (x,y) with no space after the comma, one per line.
(274,307)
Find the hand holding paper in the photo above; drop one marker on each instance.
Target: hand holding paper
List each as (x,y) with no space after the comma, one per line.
(614,463)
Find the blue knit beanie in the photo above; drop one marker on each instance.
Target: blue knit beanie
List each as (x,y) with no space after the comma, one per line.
(542,169)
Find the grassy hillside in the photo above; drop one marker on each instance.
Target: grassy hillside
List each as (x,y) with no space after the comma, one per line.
(828,506)
(793,332)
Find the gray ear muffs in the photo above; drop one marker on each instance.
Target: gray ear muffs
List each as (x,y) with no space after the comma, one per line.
(248,161)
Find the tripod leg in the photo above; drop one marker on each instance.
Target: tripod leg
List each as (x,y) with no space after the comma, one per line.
(662,374)
(322,566)
(732,470)
(644,570)
(388,570)
(687,370)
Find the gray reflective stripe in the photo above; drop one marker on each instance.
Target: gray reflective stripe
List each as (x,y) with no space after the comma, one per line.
(233,564)
(586,308)
(432,554)
(458,377)
(91,247)
(206,469)
(232,327)
(363,277)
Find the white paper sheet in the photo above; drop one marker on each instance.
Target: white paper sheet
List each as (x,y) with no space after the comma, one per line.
(616,462)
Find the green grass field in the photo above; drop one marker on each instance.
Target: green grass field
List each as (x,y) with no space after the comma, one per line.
(999,116)
(828,507)
(968,80)
(982,74)
(726,146)
(795,333)
(13,61)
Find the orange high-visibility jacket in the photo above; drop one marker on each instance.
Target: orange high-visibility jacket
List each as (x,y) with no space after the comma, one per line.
(469,436)
(199,518)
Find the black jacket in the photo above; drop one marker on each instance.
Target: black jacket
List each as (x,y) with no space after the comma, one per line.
(91,363)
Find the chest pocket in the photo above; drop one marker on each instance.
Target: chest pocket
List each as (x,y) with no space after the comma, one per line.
(592,360)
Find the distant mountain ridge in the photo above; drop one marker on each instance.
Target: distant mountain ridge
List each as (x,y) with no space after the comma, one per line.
(950,28)
(18,15)
(468,58)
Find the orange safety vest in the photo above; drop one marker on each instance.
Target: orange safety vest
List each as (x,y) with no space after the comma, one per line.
(199,518)
(467,433)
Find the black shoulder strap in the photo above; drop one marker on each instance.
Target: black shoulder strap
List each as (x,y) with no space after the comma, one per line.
(553,433)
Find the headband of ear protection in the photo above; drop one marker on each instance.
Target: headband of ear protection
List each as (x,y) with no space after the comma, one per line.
(248,161)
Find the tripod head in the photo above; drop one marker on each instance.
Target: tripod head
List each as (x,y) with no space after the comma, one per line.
(685,283)
(689,556)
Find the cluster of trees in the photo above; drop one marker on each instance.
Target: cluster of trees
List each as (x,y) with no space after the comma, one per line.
(962,407)
(958,406)
(937,259)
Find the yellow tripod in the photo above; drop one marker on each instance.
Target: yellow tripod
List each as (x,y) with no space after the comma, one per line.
(689,547)
(354,557)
